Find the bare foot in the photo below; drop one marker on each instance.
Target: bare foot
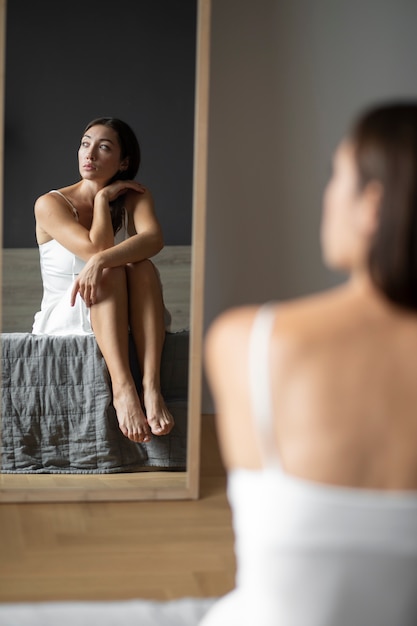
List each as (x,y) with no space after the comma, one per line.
(131,418)
(159,418)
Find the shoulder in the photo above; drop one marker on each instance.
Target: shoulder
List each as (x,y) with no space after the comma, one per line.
(299,326)
(294,318)
(45,197)
(135,199)
(225,346)
(47,200)
(227,355)
(228,333)
(54,197)
(230,324)
(53,205)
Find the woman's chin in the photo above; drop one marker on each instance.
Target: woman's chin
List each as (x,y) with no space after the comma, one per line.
(335,263)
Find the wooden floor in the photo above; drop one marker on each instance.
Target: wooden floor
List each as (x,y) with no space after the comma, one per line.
(121,550)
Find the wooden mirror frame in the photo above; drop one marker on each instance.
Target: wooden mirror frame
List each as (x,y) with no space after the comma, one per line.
(148,485)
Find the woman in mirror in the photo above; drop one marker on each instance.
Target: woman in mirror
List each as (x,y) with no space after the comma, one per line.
(317,408)
(95,240)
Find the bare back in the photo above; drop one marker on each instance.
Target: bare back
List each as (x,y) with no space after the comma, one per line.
(344,383)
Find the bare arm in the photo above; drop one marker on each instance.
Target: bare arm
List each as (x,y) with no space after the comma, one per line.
(226,365)
(146,242)
(147,239)
(54,220)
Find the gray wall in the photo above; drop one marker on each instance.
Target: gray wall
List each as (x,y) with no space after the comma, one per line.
(69,62)
(287,76)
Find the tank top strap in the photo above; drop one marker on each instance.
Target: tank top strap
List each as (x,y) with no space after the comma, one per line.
(74,210)
(260,382)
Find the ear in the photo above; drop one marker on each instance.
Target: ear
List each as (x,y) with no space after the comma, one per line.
(369,210)
(124,164)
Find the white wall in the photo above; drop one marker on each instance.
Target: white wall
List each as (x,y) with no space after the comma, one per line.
(287,76)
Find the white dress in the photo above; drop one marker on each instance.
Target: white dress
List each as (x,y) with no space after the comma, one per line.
(59,268)
(310,554)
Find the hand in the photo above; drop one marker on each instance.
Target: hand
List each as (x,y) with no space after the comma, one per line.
(118,188)
(87,281)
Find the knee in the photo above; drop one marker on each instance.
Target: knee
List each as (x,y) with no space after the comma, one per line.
(143,272)
(113,278)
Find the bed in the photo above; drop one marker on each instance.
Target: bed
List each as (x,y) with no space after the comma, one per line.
(57,413)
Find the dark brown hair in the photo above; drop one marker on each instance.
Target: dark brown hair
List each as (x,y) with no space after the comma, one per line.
(385,144)
(130,150)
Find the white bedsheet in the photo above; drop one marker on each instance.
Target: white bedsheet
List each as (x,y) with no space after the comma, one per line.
(183,612)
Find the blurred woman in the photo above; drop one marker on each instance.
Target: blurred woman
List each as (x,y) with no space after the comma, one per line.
(317,409)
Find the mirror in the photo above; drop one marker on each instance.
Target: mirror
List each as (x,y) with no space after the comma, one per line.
(147,485)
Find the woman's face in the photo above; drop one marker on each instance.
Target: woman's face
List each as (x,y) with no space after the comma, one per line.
(99,155)
(342,245)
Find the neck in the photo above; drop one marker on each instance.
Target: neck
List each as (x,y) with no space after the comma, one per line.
(360,279)
(88,190)
(362,287)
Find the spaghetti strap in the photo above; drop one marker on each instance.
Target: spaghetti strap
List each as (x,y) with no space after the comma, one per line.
(260,382)
(75,213)
(74,210)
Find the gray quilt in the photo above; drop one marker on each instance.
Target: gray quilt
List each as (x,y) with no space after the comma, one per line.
(57,413)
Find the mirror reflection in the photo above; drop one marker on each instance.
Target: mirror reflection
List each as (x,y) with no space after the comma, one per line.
(136,64)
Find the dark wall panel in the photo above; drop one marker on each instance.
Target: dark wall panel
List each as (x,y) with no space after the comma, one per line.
(69,62)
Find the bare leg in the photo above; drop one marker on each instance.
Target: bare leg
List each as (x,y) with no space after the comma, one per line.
(146,316)
(109,318)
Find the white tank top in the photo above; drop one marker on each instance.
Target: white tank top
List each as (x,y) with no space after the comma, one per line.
(310,554)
